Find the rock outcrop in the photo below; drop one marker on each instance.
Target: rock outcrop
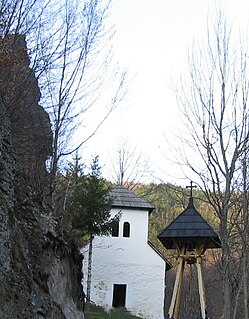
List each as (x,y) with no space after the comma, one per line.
(40,264)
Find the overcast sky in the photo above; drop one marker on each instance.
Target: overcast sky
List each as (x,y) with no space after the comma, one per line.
(152,40)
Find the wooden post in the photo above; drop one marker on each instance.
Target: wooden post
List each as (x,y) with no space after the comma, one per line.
(201,287)
(178,285)
(176,297)
(179,291)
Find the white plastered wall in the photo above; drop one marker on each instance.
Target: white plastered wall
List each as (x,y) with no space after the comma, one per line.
(130,261)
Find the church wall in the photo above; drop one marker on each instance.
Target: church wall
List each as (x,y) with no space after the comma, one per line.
(144,288)
(129,261)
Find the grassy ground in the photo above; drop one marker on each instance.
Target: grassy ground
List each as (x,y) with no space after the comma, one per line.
(99,313)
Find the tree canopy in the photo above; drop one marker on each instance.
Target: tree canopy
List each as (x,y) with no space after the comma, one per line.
(91,204)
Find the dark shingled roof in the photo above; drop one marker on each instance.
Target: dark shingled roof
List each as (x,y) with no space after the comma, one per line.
(189,228)
(124,198)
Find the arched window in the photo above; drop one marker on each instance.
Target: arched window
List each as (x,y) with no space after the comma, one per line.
(126,229)
(115,229)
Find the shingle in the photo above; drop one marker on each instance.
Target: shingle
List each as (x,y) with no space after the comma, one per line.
(188,227)
(124,198)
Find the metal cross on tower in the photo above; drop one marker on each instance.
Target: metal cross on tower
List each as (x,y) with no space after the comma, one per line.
(191,188)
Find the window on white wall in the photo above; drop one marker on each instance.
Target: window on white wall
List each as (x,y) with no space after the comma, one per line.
(115,229)
(126,229)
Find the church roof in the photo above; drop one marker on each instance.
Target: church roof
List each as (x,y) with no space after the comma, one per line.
(189,228)
(124,198)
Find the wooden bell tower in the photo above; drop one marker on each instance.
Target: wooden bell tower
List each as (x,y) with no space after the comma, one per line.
(190,235)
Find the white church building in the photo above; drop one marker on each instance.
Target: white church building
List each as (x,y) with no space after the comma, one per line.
(127,271)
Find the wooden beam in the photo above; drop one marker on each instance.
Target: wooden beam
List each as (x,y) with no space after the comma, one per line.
(201,288)
(179,292)
(176,287)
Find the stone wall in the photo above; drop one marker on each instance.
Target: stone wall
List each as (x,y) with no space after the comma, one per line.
(40,265)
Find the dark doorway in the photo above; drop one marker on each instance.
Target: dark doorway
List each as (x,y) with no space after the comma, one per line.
(119,294)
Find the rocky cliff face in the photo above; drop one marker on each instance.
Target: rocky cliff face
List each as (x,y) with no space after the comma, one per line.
(40,266)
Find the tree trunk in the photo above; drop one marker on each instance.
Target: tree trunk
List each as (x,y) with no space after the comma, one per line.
(245,287)
(227,306)
(236,299)
(89,274)
(244,236)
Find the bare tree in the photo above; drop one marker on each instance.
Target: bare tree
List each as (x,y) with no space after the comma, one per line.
(82,53)
(71,53)
(129,166)
(20,16)
(215,109)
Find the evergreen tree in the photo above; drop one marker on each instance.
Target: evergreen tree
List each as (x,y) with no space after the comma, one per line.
(91,205)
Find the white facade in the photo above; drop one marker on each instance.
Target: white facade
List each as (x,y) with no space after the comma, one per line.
(127,271)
